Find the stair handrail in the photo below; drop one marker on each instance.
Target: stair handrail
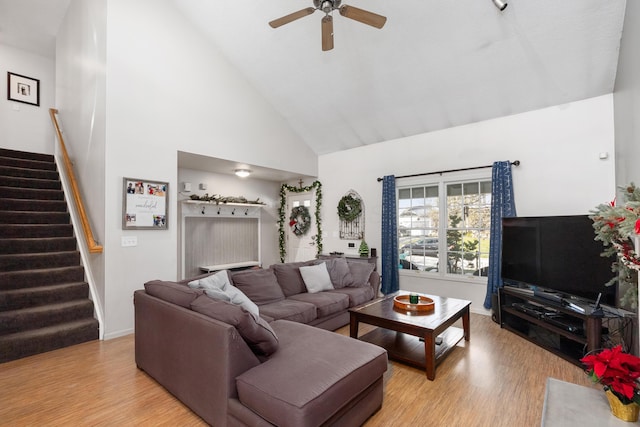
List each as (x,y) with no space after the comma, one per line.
(93,246)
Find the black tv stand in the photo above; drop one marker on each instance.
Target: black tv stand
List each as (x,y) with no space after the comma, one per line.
(562,324)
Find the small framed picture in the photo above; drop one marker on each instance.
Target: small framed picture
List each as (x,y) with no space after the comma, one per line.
(23,89)
(144,204)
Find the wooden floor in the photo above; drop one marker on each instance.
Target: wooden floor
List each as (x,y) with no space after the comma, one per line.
(496,379)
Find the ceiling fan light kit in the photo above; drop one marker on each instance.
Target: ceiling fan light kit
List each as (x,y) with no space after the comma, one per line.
(328,6)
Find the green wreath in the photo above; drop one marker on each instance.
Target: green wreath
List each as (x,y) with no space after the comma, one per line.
(300,220)
(349,208)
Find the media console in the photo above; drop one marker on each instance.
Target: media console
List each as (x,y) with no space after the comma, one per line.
(565,325)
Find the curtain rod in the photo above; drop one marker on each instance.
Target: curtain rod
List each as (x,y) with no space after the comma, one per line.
(515,163)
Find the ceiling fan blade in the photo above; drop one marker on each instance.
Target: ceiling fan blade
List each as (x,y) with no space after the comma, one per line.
(327,33)
(291,17)
(363,16)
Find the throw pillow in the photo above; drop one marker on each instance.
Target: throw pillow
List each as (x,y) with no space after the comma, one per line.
(172,292)
(217,286)
(360,272)
(256,332)
(260,285)
(316,278)
(289,278)
(339,272)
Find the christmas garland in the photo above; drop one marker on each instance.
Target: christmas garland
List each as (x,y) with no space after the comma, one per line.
(614,226)
(300,220)
(283,204)
(349,208)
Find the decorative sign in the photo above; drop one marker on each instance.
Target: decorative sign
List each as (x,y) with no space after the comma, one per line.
(144,204)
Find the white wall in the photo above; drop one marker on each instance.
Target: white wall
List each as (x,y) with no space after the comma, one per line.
(267,192)
(560,174)
(168,89)
(627,100)
(80,93)
(27,127)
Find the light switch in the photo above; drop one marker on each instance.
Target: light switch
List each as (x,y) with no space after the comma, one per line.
(128,241)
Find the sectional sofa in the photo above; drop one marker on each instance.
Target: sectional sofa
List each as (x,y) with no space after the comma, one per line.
(205,344)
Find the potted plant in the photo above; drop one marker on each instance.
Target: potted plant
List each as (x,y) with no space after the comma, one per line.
(618,372)
(615,225)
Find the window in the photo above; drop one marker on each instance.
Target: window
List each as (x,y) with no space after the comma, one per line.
(443,227)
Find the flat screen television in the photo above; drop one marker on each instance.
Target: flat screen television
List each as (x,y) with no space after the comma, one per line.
(558,253)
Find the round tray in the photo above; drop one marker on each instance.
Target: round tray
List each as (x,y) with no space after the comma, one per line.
(402,302)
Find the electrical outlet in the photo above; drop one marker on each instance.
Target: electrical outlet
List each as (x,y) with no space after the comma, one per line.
(128,241)
(352,245)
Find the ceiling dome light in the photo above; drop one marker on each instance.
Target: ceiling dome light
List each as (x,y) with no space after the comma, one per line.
(243,173)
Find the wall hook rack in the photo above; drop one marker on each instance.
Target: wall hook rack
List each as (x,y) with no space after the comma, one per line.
(246,212)
(218,211)
(233,212)
(202,210)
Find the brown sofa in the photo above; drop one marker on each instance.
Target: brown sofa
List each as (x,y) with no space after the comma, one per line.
(235,369)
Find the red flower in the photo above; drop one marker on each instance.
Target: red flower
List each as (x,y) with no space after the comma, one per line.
(292,222)
(615,369)
(637,228)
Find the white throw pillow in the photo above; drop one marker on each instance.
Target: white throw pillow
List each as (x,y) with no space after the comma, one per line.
(316,278)
(219,287)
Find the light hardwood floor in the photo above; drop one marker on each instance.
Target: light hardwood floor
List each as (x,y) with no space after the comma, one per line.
(496,379)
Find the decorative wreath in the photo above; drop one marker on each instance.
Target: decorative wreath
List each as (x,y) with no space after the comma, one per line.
(349,208)
(300,220)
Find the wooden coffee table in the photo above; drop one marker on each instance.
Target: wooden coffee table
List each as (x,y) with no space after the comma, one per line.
(397,329)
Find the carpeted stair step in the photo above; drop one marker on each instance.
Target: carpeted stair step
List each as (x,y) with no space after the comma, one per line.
(34,183)
(27,343)
(39,317)
(28,164)
(33,205)
(44,277)
(28,173)
(16,262)
(25,155)
(38,245)
(30,193)
(27,217)
(13,231)
(15,299)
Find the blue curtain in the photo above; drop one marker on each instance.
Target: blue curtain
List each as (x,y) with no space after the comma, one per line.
(502,206)
(390,276)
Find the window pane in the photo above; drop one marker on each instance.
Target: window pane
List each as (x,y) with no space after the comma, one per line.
(468,227)
(418,221)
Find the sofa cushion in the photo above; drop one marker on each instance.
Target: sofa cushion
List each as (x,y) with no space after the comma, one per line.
(256,332)
(339,272)
(289,309)
(311,377)
(316,278)
(360,272)
(217,286)
(356,296)
(327,303)
(260,285)
(172,292)
(289,278)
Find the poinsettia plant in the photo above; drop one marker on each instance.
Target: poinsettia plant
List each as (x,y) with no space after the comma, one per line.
(617,371)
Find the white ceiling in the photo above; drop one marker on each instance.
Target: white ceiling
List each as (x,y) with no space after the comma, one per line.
(435,64)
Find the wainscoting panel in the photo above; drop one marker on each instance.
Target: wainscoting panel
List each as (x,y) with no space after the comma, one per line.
(219,240)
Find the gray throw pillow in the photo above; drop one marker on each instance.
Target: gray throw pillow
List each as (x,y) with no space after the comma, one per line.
(260,285)
(257,333)
(339,272)
(360,272)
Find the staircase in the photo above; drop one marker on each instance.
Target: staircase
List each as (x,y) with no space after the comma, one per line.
(44,299)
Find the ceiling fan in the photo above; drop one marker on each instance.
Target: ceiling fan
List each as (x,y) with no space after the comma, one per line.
(328,6)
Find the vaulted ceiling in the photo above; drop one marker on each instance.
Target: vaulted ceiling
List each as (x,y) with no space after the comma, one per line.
(435,64)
